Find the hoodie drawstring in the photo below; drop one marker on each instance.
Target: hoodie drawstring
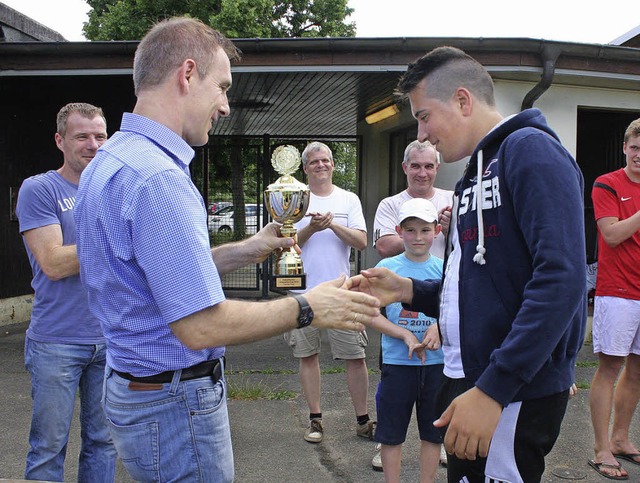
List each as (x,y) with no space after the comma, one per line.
(480,249)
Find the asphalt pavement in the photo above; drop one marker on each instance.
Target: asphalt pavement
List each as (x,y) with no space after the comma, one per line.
(268,432)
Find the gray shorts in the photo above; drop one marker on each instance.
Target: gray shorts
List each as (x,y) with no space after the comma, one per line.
(345,344)
(616,326)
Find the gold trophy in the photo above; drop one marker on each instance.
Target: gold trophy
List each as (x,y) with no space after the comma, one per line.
(287,200)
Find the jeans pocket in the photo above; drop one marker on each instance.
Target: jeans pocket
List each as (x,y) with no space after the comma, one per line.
(137,446)
(210,398)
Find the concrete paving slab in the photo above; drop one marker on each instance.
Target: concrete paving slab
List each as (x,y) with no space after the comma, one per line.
(268,434)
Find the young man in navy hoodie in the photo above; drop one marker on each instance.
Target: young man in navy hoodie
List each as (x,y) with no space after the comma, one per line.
(512,302)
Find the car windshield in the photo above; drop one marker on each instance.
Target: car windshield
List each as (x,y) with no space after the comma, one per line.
(224,211)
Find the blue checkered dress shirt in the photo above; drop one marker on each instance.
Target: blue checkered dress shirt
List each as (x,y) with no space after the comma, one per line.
(144,248)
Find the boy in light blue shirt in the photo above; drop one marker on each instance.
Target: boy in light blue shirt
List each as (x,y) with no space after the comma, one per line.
(412,360)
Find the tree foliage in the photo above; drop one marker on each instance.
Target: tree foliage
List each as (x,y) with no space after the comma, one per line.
(131,19)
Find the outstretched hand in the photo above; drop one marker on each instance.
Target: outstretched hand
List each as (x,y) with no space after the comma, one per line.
(336,308)
(383,284)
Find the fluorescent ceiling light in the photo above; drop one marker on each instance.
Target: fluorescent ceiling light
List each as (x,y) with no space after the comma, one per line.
(382,114)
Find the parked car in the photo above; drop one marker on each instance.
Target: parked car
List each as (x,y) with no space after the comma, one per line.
(222,220)
(217,206)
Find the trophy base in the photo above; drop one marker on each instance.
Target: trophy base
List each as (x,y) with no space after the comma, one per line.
(289,282)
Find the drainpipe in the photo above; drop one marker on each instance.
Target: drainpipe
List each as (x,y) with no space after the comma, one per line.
(550,54)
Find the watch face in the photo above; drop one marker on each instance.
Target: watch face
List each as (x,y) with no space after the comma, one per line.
(305,318)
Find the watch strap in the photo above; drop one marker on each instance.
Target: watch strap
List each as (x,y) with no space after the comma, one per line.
(305,316)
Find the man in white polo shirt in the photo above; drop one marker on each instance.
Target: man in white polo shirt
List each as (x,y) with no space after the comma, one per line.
(420,163)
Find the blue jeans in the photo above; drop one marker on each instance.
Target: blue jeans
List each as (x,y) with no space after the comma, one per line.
(58,371)
(177,431)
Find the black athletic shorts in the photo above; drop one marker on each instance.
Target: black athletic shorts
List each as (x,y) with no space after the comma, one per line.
(525,434)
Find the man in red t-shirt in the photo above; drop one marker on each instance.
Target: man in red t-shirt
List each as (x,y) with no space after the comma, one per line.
(616,315)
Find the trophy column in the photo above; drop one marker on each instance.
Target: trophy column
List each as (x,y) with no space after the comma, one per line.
(287,201)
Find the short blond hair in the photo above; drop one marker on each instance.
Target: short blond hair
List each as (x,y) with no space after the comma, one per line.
(88,111)
(633,131)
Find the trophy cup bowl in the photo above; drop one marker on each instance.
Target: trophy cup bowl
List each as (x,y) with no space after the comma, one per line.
(287,201)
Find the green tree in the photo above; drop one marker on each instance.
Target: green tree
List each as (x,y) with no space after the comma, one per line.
(345,160)
(131,19)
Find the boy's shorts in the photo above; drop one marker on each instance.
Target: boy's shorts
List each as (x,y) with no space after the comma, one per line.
(525,434)
(400,389)
(345,344)
(616,326)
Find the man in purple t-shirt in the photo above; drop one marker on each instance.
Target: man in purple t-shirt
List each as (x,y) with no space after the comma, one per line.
(64,346)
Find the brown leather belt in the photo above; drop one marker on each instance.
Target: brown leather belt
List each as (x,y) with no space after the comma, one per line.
(212,368)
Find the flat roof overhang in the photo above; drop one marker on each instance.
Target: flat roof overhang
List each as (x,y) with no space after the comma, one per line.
(326,86)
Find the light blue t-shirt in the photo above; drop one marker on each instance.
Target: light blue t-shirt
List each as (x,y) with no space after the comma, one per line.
(143,246)
(60,312)
(395,351)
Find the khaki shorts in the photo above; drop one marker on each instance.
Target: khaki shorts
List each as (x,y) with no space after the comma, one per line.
(345,344)
(616,326)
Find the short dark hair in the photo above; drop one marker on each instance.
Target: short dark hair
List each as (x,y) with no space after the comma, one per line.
(447,69)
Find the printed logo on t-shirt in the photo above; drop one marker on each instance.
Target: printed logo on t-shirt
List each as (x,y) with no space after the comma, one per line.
(406,315)
(67,204)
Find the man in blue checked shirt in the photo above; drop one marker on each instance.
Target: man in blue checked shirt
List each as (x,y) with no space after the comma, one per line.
(154,282)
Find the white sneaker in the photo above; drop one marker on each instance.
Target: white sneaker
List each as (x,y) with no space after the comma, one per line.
(443,456)
(314,432)
(376,462)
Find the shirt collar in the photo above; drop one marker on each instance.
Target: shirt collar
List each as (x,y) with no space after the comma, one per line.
(161,135)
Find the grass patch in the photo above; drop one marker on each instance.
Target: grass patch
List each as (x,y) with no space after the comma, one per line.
(267,371)
(583,385)
(587,364)
(245,391)
(334,370)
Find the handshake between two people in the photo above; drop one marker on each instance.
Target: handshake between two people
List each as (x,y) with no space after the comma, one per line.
(344,303)
(353,303)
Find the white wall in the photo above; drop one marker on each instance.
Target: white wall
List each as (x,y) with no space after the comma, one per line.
(560,105)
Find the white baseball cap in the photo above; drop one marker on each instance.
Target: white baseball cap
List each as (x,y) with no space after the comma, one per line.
(418,208)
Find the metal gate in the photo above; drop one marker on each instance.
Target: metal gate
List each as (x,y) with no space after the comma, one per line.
(232,173)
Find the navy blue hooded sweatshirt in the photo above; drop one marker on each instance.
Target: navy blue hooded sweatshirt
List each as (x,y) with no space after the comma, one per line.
(522,302)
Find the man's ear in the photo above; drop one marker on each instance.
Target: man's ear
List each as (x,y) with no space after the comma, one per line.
(438,229)
(59,141)
(399,230)
(464,101)
(186,73)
